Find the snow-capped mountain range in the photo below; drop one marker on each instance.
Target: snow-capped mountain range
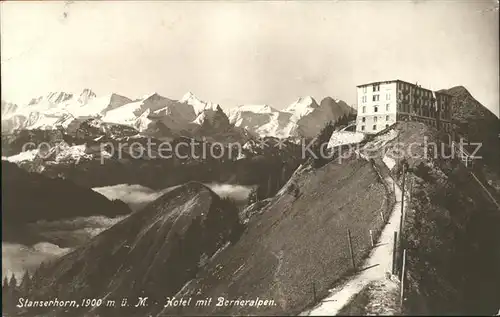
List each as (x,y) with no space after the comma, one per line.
(303,118)
(159,116)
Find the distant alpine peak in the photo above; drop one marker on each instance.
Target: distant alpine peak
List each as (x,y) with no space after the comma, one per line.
(63,97)
(198,104)
(302,104)
(54,97)
(264,108)
(189,96)
(59,96)
(87,92)
(152,97)
(86,95)
(35,100)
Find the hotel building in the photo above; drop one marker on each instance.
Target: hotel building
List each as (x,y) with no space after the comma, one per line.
(381,104)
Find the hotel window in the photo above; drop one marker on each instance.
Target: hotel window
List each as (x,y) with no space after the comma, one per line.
(364,109)
(386,118)
(387,107)
(374,127)
(364,89)
(374,119)
(376,98)
(387,96)
(362,128)
(376,87)
(363,119)
(375,109)
(386,126)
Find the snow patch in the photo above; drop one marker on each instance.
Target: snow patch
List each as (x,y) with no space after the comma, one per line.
(29,155)
(345,137)
(198,105)
(389,161)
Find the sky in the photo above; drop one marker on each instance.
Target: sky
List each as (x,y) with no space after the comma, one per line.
(242,52)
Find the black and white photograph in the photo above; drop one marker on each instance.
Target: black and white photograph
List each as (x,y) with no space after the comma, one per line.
(250,158)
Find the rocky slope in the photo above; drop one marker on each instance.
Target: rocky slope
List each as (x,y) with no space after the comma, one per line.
(454,251)
(453,258)
(465,107)
(473,121)
(478,125)
(153,253)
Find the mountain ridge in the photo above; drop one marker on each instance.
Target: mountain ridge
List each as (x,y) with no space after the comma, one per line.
(465,106)
(166,241)
(155,114)
(34,197)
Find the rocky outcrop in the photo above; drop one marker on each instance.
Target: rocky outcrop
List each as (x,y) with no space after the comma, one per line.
(153,253)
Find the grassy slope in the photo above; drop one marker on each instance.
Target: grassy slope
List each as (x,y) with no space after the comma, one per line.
(296,243)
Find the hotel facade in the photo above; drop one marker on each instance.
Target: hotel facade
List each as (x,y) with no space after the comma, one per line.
(381,104)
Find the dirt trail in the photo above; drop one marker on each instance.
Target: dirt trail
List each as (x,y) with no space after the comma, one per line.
(376,267)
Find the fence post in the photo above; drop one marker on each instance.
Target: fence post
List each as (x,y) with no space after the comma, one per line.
(402,219)
(402,200)
(314,292)
(411,188)
(382,216)
(371,238)
(403,275)
(350,248)
(394,253)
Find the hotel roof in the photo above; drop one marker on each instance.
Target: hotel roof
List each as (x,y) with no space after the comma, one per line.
(402,81)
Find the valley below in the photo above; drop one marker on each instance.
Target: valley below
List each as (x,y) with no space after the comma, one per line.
(61,236)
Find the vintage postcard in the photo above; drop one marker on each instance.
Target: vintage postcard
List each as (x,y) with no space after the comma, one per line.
(243,158)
